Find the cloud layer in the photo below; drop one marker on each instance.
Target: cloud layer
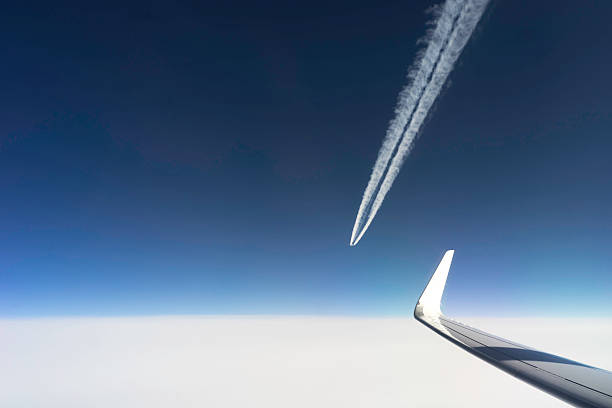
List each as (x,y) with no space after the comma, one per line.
(271,362)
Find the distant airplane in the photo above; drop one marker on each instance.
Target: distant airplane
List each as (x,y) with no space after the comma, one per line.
(575,383)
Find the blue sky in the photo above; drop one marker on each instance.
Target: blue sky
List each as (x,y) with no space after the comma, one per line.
(210,159)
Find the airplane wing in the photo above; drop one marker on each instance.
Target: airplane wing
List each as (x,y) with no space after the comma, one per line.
(575,383)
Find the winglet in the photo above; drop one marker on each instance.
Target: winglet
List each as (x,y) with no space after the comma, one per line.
(429,302)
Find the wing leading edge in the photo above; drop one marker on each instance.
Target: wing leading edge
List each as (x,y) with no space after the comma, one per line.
(576,383)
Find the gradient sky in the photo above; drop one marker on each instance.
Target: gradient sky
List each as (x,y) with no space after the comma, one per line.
(159,159)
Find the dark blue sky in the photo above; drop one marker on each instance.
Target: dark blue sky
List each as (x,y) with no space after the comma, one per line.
(210,158)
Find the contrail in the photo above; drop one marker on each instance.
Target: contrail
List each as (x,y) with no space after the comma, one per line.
(455,24)
(419,76)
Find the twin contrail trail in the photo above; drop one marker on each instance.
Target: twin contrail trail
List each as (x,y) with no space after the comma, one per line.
(454,26)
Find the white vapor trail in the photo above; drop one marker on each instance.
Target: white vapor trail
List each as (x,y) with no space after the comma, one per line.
(455,24)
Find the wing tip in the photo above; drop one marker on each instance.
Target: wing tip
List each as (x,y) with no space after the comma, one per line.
(431,298)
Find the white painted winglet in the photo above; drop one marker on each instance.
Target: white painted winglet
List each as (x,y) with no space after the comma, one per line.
(431,298)
(427,309)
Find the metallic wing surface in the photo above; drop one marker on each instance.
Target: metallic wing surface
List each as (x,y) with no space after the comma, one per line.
(575,383)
